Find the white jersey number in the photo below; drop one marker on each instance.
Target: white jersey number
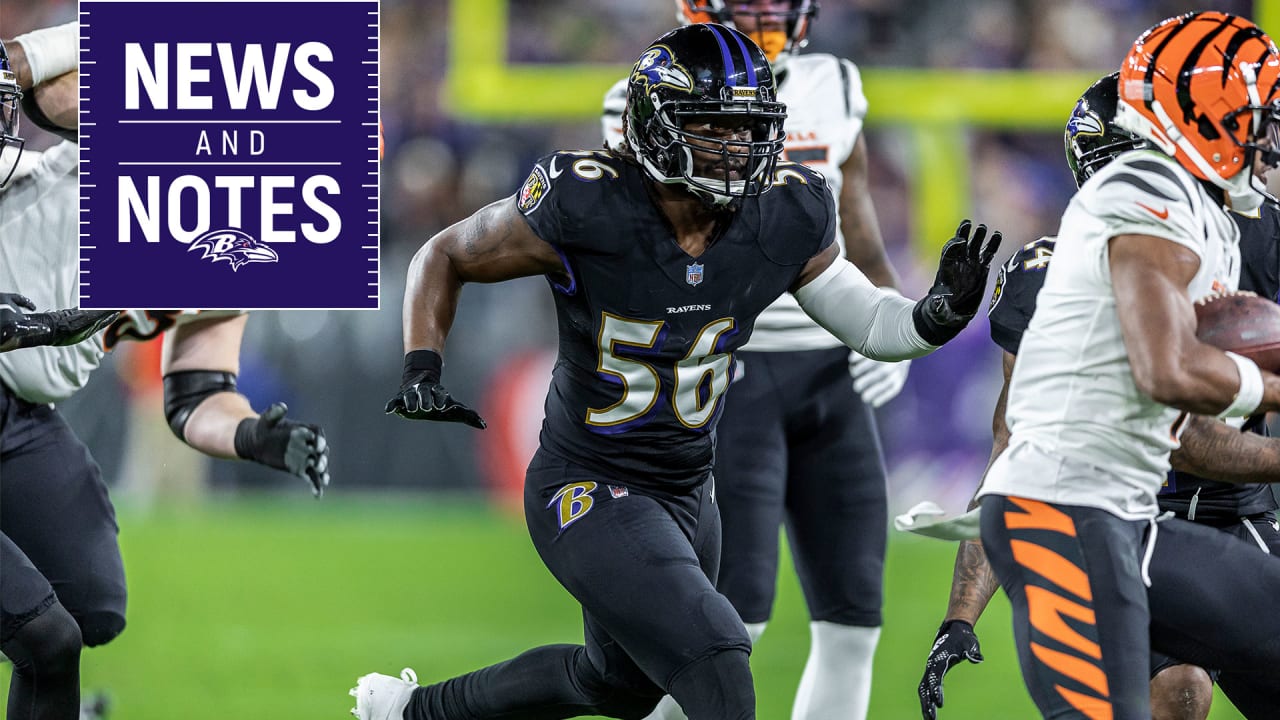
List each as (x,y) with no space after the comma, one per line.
(701,368)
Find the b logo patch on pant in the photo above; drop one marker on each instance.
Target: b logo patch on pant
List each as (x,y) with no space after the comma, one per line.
(572,502)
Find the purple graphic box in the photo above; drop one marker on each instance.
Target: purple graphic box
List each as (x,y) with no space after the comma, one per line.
(229,154)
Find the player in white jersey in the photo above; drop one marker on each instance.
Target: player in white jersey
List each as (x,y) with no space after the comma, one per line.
(20,329)
(798,442)
(1109,357)
(63,581)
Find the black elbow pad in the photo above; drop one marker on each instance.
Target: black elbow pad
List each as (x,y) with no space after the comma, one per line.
(186,389)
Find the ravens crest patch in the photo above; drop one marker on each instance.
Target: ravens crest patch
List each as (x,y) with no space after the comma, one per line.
(998,292)
(534,189)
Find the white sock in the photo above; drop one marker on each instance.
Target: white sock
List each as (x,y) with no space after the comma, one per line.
(668,709)
(837,677)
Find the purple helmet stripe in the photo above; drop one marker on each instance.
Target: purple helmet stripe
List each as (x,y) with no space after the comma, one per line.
(746,56)
(729,69)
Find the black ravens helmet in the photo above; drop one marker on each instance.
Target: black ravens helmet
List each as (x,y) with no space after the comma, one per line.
(10,94)
(779,27)
(702,112)
(1092,137)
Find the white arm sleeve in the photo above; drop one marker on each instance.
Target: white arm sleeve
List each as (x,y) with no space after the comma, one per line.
(51,51)
(875,322)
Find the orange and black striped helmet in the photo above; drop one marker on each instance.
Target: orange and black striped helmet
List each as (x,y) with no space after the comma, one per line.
(1205,88)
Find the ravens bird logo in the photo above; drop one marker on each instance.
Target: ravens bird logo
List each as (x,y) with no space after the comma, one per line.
(657,68)
(234,246)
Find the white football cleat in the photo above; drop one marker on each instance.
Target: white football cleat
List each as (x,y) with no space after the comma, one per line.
(382,697)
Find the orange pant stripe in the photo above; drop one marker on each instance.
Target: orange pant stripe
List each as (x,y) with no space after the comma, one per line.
(1092,707)
(1037,515)
(1052,567)
(1078,669)
(1046,609)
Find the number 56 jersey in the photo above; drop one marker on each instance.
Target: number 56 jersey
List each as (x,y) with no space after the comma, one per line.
(647,332)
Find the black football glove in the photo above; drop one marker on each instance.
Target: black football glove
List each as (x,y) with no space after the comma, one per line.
(422,397)
(297,448)
(57,327)
(959,285)
(955,641)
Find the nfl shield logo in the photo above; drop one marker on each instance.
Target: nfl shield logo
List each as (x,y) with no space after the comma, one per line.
(693,273)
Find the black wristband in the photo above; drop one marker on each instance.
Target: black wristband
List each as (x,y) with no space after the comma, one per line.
(945,626)
(247,439)
(931,331)
(426,363)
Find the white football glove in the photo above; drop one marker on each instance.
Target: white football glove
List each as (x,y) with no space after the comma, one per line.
(877,381)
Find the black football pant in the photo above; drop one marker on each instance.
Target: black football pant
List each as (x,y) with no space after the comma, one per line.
(643,567)
(1215,602)
(1084,619)
(1074,580)
(797,445)
(61,576)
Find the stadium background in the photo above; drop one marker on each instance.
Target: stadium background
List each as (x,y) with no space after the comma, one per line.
(250,600)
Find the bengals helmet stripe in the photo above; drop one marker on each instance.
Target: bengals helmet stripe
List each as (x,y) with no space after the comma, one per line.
(1187,83)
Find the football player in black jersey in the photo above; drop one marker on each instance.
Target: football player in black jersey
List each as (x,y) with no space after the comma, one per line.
(1210,449)
(797,444)
(660,258)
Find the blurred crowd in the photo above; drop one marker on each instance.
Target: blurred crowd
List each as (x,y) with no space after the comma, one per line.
(340,367)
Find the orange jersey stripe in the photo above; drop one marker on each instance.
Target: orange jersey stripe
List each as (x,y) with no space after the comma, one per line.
(1047,608)
(1037,515)
(1092,707)
(1052,567)
(1078,669)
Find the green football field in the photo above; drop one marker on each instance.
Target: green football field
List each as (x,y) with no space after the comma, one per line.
(270,608)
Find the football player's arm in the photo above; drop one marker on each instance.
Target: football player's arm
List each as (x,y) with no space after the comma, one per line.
(45,63)
(863,244)
(56,104)
(200,361)
(882,324)
(874,322)
(44,54)
(20,329)
(973,584)
(1213,449)
(493,245)
(876,381)
(1150,276)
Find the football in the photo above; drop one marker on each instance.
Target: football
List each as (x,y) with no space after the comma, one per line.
(1243,323)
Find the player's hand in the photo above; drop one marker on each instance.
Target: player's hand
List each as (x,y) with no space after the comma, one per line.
(959,285)
(955,641)
(20,329)
(297,448)
(422,397)
(877,381)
